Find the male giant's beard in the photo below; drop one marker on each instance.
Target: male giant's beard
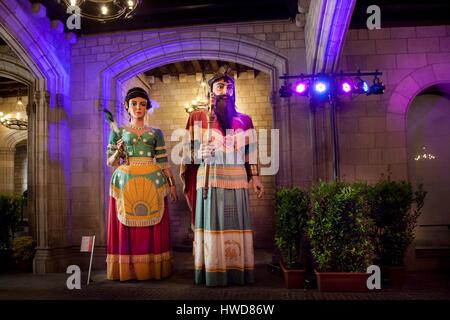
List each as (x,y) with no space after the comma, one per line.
(225,111)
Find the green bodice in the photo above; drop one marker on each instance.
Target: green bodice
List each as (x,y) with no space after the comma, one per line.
(149,144)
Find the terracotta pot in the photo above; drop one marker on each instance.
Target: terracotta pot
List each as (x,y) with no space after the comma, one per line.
(5,260)
(293,278)
(25,266)
(396,275)
(342,281)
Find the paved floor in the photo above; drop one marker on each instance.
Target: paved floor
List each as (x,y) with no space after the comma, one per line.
(180,286)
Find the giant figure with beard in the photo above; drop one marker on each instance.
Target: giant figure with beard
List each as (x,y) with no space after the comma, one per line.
(222,225)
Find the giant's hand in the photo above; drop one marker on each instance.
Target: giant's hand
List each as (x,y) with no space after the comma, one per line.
(207,151)
(173,194)
(258,186)
(120,145)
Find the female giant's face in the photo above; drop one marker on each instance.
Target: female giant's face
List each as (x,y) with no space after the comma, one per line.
(137,107)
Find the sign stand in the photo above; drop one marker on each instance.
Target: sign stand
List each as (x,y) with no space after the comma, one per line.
(87,244)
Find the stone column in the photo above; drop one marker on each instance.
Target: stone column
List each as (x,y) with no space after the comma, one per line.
(282,121)
(6,171)
(50,188)
(327,24)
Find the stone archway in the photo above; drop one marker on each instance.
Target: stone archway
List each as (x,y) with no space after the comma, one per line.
(12,68)
(405,92)
(399,103)
(408,88)
(26,30)
(185,46)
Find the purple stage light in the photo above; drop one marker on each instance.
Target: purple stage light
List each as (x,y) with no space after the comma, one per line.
(300,87)
(346,87)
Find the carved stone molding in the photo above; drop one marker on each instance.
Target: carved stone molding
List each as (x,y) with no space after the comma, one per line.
(37,96)
(47,98)
(59,100)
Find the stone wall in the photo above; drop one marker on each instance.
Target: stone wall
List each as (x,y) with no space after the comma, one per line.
(44,51)
(74,82)
(93,54)
(372,130)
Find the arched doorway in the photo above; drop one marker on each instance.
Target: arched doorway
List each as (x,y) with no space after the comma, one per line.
(13,101)
(428,133)
(46,75)
(174,86)
(185,47)
(427,253)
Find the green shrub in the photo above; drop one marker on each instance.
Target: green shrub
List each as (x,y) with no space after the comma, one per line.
(24,249)
(391,207)
(10,212)
(292,207)
(339,227)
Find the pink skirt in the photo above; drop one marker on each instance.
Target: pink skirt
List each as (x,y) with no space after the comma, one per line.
(140,253)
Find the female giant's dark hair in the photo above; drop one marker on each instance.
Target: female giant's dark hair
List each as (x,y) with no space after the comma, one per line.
(137,92)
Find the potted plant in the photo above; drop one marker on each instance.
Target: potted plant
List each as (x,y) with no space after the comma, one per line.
(339,232)
(24,249)
(291,215)
(395,217)
(9,221)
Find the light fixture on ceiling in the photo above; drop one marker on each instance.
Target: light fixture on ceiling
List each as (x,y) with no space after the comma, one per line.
(424,155)
(105,10)
(201,100)
(16,119)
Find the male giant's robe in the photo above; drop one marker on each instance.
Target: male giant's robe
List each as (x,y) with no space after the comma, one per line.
(223,235)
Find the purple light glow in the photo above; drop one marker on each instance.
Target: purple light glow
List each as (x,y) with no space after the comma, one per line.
(300,88)
(346,87)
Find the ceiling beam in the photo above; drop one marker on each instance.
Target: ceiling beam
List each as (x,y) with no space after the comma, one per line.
(164,70)
(214,65)
(206,66)
(197,66)
(172,70)
(144,82)
(187,65)
(180,68)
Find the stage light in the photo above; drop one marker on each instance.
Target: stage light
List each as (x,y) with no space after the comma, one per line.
(286,90)
(377,87)
(362,87)
(301,88)
(320,87)
(329,86)
(344,87)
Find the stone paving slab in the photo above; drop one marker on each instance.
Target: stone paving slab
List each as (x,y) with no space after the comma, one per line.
(180,286)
